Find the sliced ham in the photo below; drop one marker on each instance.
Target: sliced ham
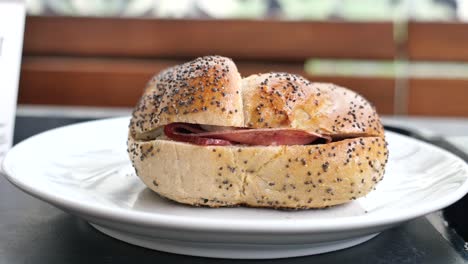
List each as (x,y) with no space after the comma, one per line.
(193,133)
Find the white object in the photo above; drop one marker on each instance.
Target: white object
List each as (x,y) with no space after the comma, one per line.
(175,9)
(84,169)
(462,10)
(11,43)
(228,9)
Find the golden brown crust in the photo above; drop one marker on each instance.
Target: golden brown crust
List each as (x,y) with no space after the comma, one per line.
(311,176)
(288,100)
(209,91)
(203,91)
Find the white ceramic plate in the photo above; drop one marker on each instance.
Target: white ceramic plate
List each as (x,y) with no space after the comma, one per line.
(84,169)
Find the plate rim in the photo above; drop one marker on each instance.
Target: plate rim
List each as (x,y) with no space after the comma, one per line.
(149,219)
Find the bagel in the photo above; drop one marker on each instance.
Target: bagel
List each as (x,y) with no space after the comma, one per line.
(202,135)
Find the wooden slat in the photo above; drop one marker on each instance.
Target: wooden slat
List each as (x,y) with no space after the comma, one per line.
(379,91)
(146,67)
(86,82)
(240,39)
(438,97)
(438,41)
(119,82)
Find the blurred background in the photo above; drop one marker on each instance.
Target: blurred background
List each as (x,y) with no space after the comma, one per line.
(409,58)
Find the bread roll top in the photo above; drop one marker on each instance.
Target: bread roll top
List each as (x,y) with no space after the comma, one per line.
(283,100)
(210,91)
(203,91)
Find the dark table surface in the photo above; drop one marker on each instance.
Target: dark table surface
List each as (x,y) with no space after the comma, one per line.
(32,231)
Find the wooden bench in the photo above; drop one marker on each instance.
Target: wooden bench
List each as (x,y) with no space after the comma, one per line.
(107,61)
